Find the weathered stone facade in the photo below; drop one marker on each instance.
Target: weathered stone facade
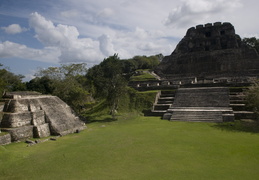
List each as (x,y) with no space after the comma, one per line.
(38,116)
(209,51)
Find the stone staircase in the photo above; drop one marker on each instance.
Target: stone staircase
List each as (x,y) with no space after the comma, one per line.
(238,104)
(200,114)
(206,104)
(163,102)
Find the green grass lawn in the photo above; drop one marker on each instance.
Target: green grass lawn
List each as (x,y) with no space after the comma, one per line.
(137,149)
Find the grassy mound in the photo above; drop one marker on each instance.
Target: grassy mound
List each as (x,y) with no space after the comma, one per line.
(137,147)
(143,75)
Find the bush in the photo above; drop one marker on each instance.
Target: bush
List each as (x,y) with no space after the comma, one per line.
(252,98)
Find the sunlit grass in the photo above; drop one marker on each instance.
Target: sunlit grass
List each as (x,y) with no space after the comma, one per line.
(137,148)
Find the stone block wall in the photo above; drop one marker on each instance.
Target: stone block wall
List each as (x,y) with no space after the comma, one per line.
(202,97)
(19,133)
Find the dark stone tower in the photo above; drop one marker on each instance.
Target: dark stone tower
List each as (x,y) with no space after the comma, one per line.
(208,51)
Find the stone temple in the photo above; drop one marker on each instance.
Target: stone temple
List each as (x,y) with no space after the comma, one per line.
(32,115)
(210,51)
(196,79)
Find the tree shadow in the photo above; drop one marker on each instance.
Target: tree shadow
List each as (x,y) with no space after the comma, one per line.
(249,126)
(98,119)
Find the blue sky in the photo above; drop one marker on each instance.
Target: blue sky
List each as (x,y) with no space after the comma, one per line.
(41,33)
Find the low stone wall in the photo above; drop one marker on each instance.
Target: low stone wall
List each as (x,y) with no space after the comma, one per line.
(13,120)
(20,133)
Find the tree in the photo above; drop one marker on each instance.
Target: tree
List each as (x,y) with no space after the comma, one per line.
(10,82)
(109,81)
(252,42)
(252,97)
(41,84)
(66,82)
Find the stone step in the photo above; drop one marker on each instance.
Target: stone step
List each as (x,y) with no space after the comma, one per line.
(158,112)
(165,102)
(168,92)
(236,97)
(161,106)
(166,95)
(244,115)
(208,116)
(236,93)
(166,98)
(236,101)
(232,105)
(238,107)
(201,109)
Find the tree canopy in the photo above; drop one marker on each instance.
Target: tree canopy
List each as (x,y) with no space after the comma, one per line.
(252,42)
(9,81)
(67,82)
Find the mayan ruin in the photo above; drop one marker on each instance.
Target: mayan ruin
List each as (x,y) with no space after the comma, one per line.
(32,115)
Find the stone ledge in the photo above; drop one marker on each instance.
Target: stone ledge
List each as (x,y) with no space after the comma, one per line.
(20,133)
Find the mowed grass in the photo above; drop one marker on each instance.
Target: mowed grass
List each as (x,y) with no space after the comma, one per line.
(138,148)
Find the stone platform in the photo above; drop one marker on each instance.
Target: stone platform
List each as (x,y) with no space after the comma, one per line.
(206,104)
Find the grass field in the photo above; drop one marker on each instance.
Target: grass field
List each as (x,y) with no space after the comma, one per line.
(138,148)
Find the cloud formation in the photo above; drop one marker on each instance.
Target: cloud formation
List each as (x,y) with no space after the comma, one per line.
(105,45)
(198,11)
(63,43)
(88,31)
(66,39)
(14,29)
(11,49)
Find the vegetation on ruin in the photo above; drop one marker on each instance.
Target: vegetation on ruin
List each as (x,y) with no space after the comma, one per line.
(142,75)
(252,42)
(131,101)
(252,98)
(137,147)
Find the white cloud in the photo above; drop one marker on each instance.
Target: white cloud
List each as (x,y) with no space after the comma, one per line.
(106,12)
(10,49)
(192,12)
(66,39)
(106,45)
(13,29)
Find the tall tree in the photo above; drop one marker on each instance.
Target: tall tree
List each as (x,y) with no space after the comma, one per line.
(109,81)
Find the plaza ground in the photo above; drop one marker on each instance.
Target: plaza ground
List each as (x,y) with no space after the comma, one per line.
(137,147)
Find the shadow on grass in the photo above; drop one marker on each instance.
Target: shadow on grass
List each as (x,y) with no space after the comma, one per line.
(239,126)
(98,119)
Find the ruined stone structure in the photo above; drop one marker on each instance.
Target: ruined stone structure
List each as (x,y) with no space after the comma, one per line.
(210,51)
(209,59)
(31,115)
